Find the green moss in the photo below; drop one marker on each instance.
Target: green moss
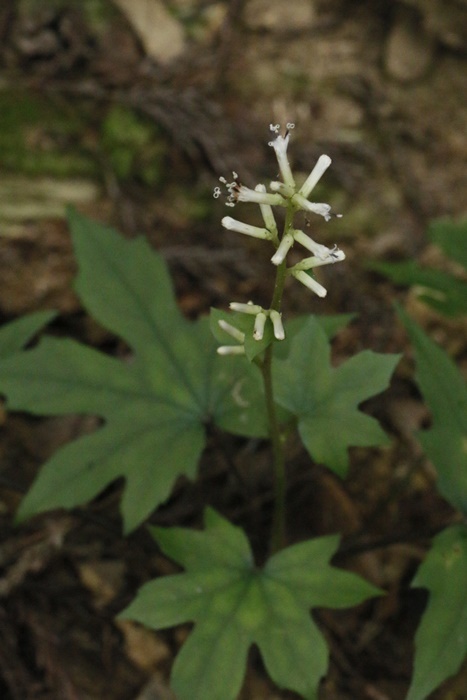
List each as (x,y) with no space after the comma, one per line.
(132,145)
(38,137)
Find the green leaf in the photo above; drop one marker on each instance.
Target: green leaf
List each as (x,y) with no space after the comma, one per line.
(441,639)
(326,399)
(445,392)
(451,237)
(331,325)
(234,604)
(15,335)
(442,291)
(153,407)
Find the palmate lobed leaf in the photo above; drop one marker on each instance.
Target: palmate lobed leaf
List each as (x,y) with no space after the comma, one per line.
(15,335)
(326,399)
(235,604)
(153,408)
(445,392)
(441,639)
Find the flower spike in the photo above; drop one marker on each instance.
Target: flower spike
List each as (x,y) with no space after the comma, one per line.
(284,193)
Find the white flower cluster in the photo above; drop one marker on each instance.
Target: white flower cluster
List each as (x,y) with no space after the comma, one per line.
(284,194)
(261,316)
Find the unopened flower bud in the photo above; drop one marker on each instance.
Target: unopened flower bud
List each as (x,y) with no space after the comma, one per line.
(231,330)
(309,282)
(276,319)
(284,247)
(260,322)
(231,350)
(248,308)
(316,174)
(247,229)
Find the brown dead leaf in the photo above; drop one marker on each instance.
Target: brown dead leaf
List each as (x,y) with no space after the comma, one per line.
(160,34)
(144,647)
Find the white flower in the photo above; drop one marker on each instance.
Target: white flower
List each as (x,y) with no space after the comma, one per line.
(320,208)
(234,333)
(332,256)
(239,193)
(255,231)
(316,174)
(260,322)
(280,145)
(262,315)
(276,319)
(231,350)
(267,214)
(231,330)
(285,190)
(284,247)
(288,188)
(322,256)
(309,282)
(248,308)
(321,251)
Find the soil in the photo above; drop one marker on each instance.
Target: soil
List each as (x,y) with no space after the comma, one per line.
(99,109)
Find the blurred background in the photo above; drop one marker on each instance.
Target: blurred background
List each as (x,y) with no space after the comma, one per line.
(130,110)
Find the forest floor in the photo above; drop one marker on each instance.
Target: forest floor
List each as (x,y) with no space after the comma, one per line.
(87,118)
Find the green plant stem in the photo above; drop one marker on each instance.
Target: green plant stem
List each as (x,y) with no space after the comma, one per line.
(277,447)
(277,443)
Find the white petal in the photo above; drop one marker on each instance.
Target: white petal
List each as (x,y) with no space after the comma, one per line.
(316,174)
(280,145)
(244,194)
(267,214)
(231,330)
(247,229)
(284,247)
(249,308)
(285,190)
(309,263)
(315,207)
(231,350)
(321,251)
(276,319)
(311,283)
(260,322)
